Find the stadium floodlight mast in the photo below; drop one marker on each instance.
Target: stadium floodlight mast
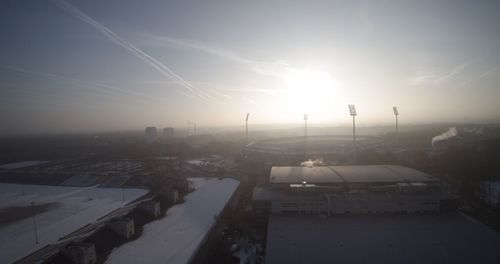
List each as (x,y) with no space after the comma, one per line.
(246,126)
(352,111)
(396,113)
(305,124)
(306,116)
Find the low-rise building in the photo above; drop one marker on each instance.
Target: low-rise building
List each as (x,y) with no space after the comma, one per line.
(349,189)
(489,193)
(122,226)
(80,253)
(366,214)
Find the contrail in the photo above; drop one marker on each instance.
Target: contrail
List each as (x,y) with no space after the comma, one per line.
(95,86)
(251,101)
(220,94)
(480,76)
(219,89)
(436,80)
(270,68)
(160,67)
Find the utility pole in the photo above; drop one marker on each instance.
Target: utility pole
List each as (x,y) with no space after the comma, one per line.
(34,222)
(305,135)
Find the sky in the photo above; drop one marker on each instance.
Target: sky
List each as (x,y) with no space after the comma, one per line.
(68,66)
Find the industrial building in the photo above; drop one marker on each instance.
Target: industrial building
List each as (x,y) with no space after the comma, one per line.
(350,189)
(367,214)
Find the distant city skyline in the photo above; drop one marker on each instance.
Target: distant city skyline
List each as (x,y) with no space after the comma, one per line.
(69,66)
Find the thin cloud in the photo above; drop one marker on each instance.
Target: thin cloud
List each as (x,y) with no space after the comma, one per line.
(153,62)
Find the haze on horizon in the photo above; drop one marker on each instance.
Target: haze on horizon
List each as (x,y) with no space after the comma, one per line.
(108,65)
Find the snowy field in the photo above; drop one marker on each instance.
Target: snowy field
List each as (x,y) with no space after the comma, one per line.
(22,164)
(71,208)
(177,236)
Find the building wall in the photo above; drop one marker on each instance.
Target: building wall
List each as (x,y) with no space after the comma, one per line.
(168,132)
(489,192)
(81,254)
(151,134)
(123,227)
(355,206)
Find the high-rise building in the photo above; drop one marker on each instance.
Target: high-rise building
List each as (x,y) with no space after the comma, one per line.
(168,132)
(151,134)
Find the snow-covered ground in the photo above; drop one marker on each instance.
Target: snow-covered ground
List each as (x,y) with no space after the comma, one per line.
(22,164)
(72,208)
(177,236)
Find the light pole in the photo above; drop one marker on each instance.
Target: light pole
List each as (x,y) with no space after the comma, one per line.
(246,126)
(396,113)
(305,125)
(352,111)
(305,134)
(34,222)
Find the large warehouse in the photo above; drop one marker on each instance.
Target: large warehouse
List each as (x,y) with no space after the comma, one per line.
(367,214)
(350,189)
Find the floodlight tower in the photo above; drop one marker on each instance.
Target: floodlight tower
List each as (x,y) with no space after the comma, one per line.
(305,134)
(396,113)
(246,126)
(305,124)
(352,111)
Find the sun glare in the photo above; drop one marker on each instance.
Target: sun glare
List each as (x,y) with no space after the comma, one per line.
(310,91)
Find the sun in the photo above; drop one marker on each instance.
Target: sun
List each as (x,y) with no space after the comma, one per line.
(309,91)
